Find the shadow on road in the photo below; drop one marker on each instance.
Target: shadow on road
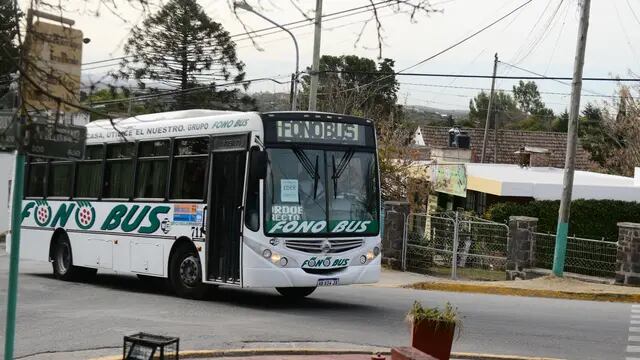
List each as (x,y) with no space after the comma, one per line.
(265,299)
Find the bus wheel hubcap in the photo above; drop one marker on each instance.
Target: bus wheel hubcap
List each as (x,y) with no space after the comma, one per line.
(189,271)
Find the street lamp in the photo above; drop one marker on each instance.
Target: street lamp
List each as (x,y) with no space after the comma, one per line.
(244,6)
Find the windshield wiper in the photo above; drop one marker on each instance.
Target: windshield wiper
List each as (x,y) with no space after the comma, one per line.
(342,166)
(309,168)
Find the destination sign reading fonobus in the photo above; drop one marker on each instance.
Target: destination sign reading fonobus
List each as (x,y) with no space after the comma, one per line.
(320,132)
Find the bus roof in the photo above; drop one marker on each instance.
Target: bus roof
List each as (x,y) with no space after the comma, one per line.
(172,124)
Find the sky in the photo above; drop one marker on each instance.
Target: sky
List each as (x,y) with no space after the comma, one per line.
(541,37)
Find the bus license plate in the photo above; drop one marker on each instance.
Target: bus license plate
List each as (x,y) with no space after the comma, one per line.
(328,282)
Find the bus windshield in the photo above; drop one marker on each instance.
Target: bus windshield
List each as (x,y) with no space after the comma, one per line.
(311,191)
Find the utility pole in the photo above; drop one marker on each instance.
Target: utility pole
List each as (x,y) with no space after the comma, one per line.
(315,66)
(572,140)
(486,123)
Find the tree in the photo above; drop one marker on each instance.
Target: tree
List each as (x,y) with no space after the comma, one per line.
(504,108)
(180,47)
(527,96)
(621,142)
(350,84)
(10,51)
(561,123)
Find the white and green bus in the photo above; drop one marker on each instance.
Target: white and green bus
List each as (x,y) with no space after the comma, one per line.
(283,199)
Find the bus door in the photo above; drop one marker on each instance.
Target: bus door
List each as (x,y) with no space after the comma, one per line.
(226,185)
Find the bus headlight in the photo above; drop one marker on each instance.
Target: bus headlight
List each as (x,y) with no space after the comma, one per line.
(370,255)
(363,259)
(376,251)
(266,253)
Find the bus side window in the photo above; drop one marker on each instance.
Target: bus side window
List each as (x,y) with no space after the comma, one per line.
(89,173)
(189,169)
(37,171)
(58,182)
(118,176)
(152,169)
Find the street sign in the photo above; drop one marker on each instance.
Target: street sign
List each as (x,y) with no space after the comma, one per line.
(7,132)
(55,141)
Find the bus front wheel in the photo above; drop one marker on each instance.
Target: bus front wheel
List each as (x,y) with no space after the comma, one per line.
(186,273)
(295,292)
(62,261)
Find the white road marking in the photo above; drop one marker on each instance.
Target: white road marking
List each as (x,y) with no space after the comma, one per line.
(634,339)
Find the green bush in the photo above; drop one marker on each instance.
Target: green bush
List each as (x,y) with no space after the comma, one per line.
(593,219)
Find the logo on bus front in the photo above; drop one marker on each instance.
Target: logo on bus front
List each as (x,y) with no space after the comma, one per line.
(324,262)
(314,227)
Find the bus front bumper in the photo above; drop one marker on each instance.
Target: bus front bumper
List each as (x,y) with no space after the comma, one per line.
(271,276)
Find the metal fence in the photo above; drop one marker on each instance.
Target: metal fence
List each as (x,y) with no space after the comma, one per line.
(584,256)
(455,245)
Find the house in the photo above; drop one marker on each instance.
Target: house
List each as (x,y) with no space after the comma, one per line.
(508,143)
(477,186)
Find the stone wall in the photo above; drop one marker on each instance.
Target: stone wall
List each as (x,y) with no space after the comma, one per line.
(628,259)
(521,243)
(395,213)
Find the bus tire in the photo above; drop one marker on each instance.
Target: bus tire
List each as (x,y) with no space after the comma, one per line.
(295,292)
(62,259)
(185,273)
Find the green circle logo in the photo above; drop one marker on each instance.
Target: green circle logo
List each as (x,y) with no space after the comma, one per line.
(85,215)
(42,213)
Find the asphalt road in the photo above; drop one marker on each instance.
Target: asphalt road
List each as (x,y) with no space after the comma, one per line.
(61,316)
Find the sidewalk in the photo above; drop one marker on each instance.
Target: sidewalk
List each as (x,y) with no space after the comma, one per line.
(546,286)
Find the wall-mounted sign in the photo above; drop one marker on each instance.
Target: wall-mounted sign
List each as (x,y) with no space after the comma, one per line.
(320,132)
(449,179)
(53,61)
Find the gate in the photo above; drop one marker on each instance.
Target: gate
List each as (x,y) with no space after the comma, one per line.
(456,246)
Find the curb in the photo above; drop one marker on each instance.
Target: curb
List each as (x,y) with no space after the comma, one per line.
(499,290)
(200,354)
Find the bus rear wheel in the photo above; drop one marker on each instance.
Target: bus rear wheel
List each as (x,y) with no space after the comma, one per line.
(295,292)
(185,273)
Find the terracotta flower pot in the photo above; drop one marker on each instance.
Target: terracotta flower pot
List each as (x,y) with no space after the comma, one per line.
(433,337)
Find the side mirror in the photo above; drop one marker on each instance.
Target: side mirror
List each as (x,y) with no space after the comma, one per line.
(258,163)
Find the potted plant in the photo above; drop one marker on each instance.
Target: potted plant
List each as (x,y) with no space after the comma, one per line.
(433,329)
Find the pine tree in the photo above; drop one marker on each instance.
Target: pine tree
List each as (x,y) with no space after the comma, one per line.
(180,47)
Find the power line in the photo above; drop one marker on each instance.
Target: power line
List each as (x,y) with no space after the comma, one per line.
(505,90)
(475,76)
(306,22)
(468,37)
(185,91)
(402,72)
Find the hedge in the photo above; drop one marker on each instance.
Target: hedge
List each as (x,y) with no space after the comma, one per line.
(593,219)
